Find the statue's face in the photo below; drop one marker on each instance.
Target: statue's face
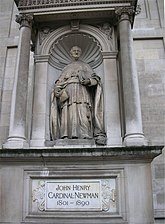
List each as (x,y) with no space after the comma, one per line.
(75,52)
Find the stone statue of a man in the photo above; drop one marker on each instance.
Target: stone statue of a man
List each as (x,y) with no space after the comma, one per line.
(77,103)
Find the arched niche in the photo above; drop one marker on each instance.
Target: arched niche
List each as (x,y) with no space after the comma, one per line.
(52,56)
(105,43)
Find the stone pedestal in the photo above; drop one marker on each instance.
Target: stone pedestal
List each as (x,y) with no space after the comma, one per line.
(77,185)
(71,143)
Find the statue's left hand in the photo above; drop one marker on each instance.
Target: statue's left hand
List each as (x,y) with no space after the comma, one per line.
(85,82)
(57,91)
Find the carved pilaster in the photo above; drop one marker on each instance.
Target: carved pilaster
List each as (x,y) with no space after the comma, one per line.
(25,20)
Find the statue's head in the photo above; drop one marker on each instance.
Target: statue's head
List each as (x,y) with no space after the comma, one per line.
(75,52)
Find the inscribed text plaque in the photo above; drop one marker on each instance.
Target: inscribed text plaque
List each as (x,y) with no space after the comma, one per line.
(73,195)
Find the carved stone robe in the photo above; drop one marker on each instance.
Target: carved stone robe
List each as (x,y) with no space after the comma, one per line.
(76,109)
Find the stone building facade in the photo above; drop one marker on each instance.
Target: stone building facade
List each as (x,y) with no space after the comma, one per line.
(149,48)
(148,30)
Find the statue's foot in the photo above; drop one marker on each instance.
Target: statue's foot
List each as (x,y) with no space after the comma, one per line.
(100,140)
(64,137)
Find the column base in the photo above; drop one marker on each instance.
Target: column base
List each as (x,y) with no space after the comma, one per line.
(16,143)
(135,140)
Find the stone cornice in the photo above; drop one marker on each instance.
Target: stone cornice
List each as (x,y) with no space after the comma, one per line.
(51,154)
(55,10)
(34,4)
(50,10)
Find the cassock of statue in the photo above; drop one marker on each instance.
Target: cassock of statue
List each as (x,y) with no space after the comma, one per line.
(77,103)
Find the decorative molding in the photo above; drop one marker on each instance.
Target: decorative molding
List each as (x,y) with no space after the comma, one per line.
(107,30)
(32,4)
(125,13)
(105,44)
(25,20)
(41,58)
(109,55)
(125,10)
(38,195)
(108,196)
(75,25)
(44,32)
(60,50)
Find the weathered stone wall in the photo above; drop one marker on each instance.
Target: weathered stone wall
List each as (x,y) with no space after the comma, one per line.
(8,49)
(150,57)
(9,37)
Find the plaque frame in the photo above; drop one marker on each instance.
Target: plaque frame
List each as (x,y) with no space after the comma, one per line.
(31,211)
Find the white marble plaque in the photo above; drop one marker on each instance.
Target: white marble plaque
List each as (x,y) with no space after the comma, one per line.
(73,195)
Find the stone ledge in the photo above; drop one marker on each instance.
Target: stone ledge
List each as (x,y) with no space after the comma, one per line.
(145,153)
(159,214)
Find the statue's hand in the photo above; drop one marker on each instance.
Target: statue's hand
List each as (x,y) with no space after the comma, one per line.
(85,82)
(57,91)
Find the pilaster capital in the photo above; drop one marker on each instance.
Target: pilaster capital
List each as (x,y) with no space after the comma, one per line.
(25,20)
(125,13)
